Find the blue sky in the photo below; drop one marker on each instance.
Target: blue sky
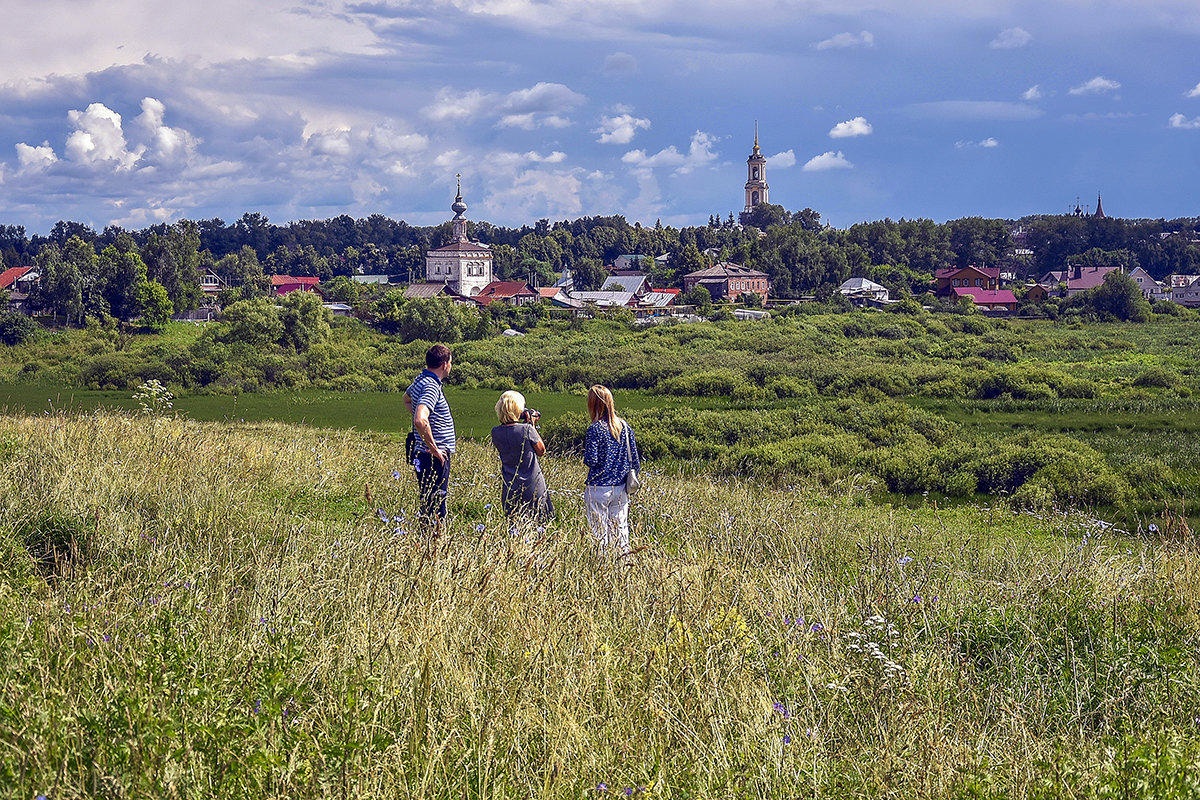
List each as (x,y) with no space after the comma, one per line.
(130,112)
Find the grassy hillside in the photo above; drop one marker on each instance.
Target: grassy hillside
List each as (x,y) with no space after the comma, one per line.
(244,610)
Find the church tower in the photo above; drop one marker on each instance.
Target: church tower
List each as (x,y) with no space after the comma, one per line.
(756,178)
(464,266)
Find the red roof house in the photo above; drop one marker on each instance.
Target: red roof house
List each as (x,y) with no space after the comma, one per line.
(284,284)
(516,293)
(988,299)
(10,276)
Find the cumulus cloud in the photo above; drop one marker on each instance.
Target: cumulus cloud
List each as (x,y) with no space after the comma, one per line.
(1011,38)
(538,193)
(1194,92)
(827,161)
(1097,85)
(98,138)
(985,143)
(35,158)
(783,160)
(556,157)
(1180,121)
(699,154)
(842,40)
(620,129)
(1032,93)
(850,128)
(619,64)
(164,144)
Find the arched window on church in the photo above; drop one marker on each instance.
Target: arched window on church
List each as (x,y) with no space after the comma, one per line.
(755,171)
(754,199)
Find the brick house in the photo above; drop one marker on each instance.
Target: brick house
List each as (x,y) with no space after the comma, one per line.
(726,281)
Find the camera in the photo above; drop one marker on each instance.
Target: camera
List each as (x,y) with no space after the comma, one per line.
(531,415)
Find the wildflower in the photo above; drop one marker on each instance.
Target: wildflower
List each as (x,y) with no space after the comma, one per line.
(480,528)
(396,474)
(602,787)
(629,791)
(904,560)
(916,598)
(787,739)
(816,626)
(488,506)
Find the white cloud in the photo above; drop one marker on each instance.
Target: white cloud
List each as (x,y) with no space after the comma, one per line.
(1032,93)
(331,143)
(989,142)
(826,161)
(1097,85)
(783,160)
(1180,121)
(98,138)
(1011,38)
(164,144)
(864,39)
(384,138)
(556,157)
(850,128)
(620,64)
(1195,92)
(539,193)
(451,106)
(35,159)
(699,154)
(620,129)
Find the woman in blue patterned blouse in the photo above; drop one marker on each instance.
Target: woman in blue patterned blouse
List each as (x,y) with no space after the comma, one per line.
(609,452)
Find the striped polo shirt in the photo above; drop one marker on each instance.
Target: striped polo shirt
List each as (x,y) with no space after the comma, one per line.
(426,391)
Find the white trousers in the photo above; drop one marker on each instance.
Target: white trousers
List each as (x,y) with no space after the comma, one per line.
(608,516)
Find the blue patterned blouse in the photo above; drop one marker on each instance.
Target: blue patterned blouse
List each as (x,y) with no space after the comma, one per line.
(606,457)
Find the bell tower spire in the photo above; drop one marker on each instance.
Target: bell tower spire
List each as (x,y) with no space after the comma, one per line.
(756,177)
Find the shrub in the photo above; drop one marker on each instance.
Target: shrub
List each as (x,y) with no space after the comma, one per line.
(16,328)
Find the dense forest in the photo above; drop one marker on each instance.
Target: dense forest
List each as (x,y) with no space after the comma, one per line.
(122,273)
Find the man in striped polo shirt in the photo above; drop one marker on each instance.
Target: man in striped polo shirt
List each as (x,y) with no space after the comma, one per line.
(426,401)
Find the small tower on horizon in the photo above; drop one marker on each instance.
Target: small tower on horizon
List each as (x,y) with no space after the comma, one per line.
(1099,207)
(464,266)
(756,178)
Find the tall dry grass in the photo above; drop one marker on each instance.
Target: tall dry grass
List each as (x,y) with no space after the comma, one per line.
(200,610)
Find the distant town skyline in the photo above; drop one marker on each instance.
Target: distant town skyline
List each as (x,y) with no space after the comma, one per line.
(133,113)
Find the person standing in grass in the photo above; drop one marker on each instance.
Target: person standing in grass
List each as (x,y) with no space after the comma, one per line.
(609,453)
(523,491)
(425,399)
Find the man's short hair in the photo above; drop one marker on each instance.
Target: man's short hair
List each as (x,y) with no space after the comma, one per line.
(436,356)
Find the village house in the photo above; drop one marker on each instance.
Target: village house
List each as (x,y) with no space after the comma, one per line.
(635,282)
(987,299)
(726,281)
(1036,293)
(19,281)
(861,291)
(1187,294)
(211,283)
(286,284)
(1151,289)
(514,293)
(947,280)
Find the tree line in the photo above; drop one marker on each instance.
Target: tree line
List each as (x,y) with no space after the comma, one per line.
(149,272)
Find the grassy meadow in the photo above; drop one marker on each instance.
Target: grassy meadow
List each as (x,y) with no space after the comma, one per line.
(229,609)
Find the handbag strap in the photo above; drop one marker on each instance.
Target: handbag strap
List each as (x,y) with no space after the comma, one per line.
(628,441)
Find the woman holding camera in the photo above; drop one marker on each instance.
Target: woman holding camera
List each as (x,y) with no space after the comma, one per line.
(610,454)
(523,491)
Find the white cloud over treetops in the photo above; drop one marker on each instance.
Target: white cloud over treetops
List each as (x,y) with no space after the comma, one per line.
(620,129)
(850,128)
(1010,39)
(1097,85)
(827,161)
(842,40)
(1180,121)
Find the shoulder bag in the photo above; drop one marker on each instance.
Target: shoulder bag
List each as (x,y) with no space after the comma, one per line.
(632,481)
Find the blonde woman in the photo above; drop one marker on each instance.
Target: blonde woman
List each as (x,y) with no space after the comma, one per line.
(609,452)
(523,491)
